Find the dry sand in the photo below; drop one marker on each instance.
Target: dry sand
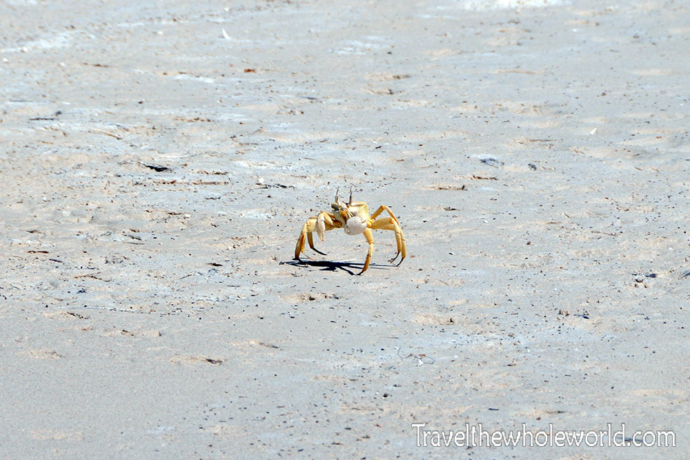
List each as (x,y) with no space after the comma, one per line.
(535,153)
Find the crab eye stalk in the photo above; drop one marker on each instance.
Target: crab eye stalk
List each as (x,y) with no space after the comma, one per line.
(349,203)
(337,194)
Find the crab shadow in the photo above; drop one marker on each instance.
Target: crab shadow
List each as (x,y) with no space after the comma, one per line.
(327,265)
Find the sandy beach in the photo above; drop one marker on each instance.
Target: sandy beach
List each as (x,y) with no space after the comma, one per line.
(158,161)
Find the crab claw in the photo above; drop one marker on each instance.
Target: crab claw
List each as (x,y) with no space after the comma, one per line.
(355,225)
(321,227)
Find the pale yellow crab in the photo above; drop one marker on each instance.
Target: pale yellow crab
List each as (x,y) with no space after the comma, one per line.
(354,218)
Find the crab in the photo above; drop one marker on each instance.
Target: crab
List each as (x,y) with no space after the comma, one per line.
(354,218)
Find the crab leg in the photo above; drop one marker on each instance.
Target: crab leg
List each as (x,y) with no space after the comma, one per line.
(307,228)
(382,208)
(325,221)
(370,238)
(388,223)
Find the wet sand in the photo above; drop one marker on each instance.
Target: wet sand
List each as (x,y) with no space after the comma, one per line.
(159,159)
